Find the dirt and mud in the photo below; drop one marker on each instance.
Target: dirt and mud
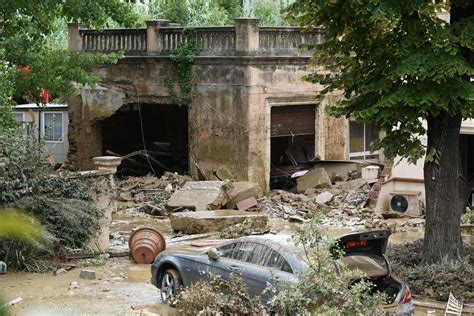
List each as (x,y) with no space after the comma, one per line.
(123,288)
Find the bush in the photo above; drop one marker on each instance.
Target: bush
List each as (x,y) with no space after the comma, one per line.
(218,296)
(434,281)
(62,205)
(321,289)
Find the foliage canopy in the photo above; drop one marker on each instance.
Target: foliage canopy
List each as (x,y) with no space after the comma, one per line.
(396,63)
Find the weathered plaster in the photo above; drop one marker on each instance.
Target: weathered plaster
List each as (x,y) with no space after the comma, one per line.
(228,117)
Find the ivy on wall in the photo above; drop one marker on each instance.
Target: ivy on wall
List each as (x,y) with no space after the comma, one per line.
(183,60)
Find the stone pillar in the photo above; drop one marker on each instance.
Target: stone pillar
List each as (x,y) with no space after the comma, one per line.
(107,163)
(154,44)
(103,194)
(246,35)
(74,42)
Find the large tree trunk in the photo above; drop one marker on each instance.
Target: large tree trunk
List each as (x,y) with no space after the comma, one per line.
(443,209)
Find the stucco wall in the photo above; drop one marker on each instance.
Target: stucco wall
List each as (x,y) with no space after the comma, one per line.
(229,119)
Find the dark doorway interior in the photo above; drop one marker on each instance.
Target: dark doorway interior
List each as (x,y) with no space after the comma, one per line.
(292,142)
(163,128)
(466,163)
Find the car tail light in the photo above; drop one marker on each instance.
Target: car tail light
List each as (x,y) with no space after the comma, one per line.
(406,296)
(356,243)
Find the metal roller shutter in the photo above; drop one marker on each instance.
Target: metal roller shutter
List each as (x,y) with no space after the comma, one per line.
(292,120)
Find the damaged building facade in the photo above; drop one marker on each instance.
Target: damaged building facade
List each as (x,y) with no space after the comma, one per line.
(250,115)
(250,111)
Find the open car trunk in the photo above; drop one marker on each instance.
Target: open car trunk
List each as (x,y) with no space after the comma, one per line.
(365,251)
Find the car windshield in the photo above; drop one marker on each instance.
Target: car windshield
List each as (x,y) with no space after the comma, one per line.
(372,266)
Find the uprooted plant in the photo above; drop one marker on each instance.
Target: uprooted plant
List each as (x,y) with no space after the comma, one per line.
(323,289)
(63,206)
(247,227)
(218,296)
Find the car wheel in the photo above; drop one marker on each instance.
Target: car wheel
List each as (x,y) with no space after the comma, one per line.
(170,285)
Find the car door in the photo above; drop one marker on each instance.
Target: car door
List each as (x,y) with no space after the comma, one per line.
(266,266)
(229,262)
(233,259)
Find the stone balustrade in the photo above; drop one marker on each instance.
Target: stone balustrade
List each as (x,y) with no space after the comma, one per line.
(160,37)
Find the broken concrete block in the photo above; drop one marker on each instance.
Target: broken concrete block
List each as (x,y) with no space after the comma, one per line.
(324,197)
(87,274)
(297,219)
(247,203)
(60,271)
(355,184)
(242,190)
(207,221)
(200,196)
(370,172)
(316,178)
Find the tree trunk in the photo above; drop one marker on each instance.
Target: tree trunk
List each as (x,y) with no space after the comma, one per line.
(443,208)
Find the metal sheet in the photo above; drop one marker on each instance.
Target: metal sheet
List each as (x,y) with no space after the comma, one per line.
(292,120)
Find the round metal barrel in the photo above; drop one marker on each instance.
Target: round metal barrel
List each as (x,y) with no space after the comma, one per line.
(145,243)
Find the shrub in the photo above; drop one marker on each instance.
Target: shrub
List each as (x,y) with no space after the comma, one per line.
(62,205)
(218,296)
(321,289)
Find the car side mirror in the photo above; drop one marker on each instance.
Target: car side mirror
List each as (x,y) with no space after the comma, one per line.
(213,254)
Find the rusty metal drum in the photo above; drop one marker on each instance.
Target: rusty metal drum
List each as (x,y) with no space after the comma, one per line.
(145,243)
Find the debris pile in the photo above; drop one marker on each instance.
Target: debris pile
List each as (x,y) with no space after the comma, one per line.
(149,193)
(339,207)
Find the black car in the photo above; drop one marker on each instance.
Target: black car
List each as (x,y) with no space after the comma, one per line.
(265,258)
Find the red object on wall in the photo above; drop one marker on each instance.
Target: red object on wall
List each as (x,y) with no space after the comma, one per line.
(47,97)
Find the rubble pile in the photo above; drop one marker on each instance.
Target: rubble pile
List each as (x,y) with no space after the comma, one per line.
(149,193)
(340,208)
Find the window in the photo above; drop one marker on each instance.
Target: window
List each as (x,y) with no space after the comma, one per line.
(53,126)
(361,136)
(19,116)
(255,253)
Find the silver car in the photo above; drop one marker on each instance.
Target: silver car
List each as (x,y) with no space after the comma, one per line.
(264,259)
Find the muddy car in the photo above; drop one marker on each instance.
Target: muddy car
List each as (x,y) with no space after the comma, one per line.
(265,259)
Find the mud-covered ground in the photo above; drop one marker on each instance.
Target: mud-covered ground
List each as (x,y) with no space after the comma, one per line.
(121,287)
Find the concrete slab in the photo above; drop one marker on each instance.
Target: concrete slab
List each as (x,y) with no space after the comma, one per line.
(208,221)
(200,196)
(242,190)
(316,178)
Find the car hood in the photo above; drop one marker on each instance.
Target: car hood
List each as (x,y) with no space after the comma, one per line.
(184,251)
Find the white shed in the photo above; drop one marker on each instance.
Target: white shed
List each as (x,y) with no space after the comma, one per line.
(50,122)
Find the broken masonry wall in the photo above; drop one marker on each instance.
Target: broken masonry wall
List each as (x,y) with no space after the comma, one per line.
(228,120)
(131,80)
(85,139)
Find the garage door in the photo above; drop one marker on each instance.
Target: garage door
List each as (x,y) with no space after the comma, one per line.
(292,120)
